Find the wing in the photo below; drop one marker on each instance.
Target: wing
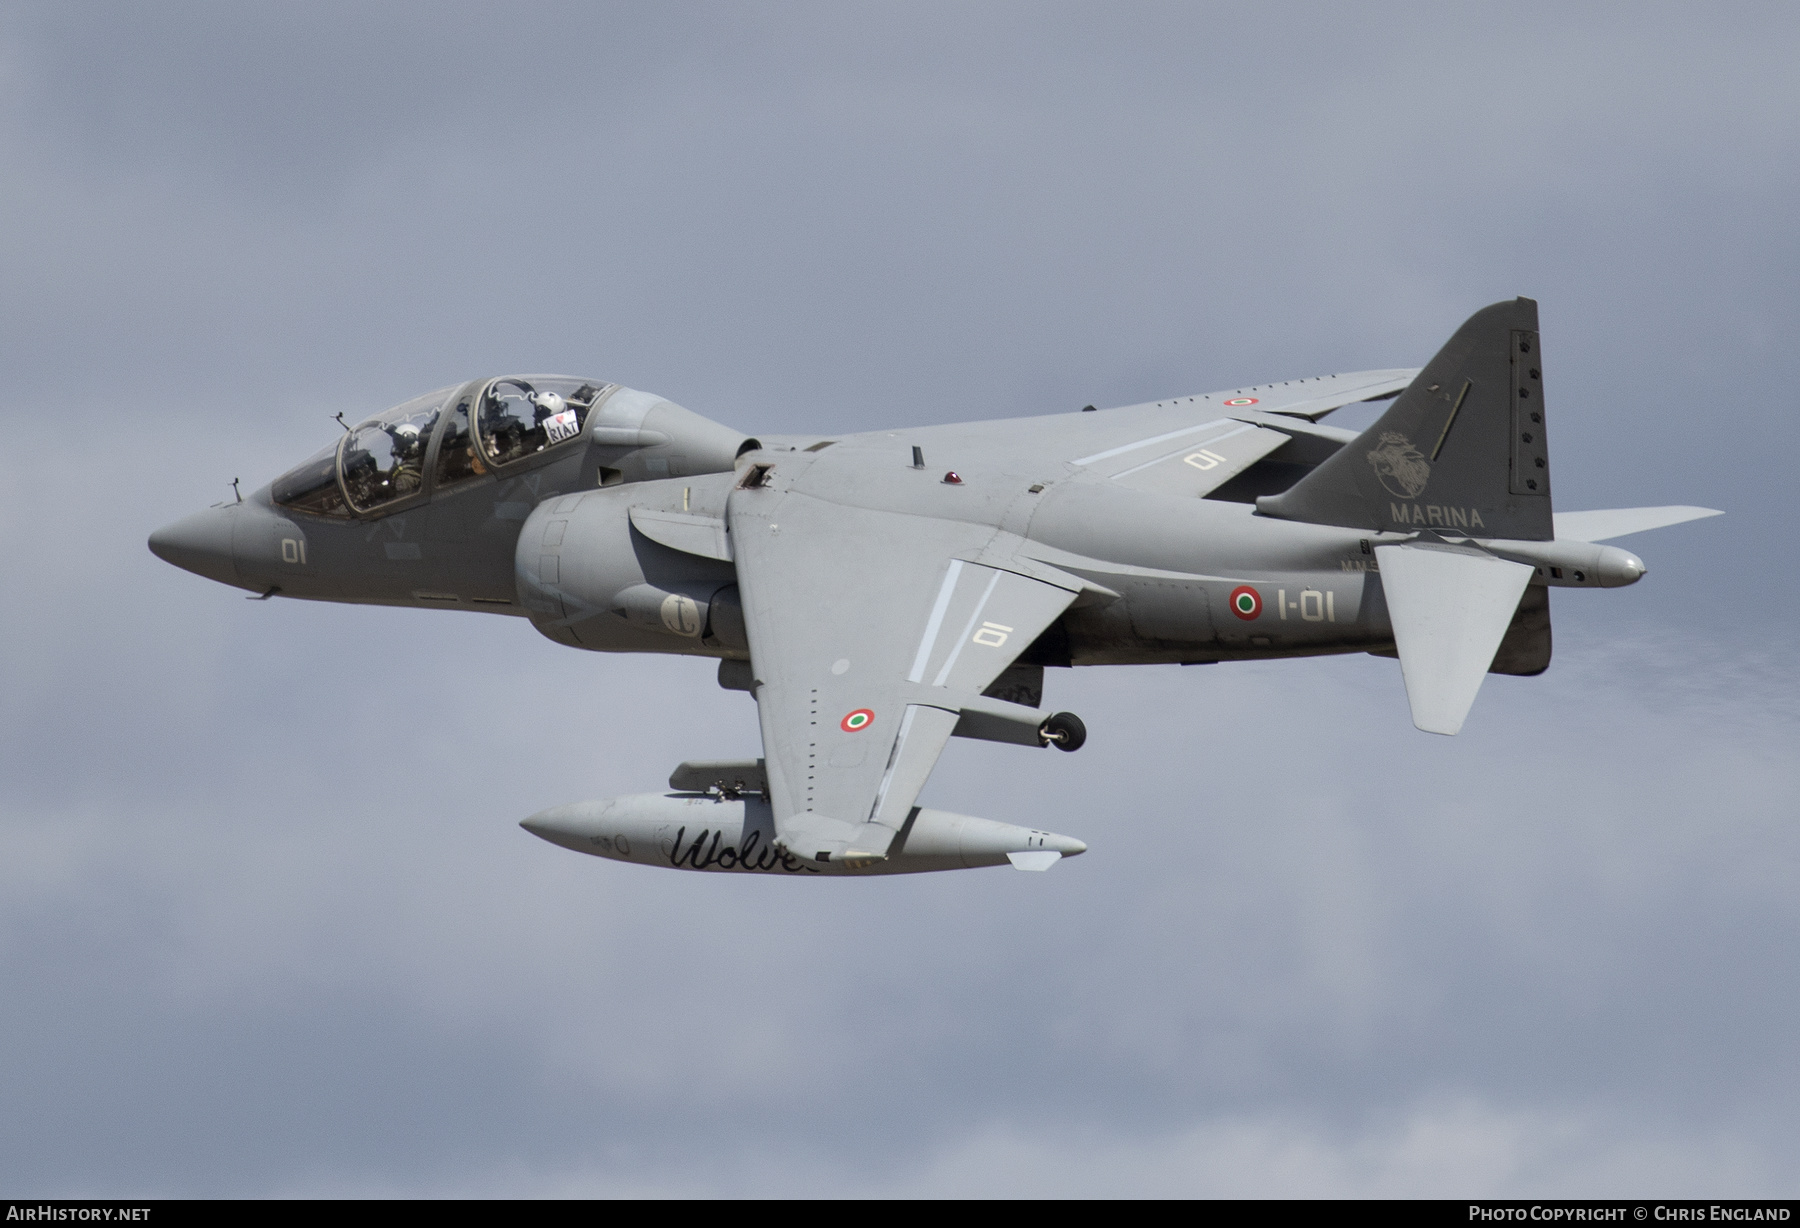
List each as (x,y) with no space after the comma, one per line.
(1191,461)
(1150,447)
(1314,398)
(871,633)
(1310,398)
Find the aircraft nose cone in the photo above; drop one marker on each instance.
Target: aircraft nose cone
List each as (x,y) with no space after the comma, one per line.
(200,543)
(1068,846)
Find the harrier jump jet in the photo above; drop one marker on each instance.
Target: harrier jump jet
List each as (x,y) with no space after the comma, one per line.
(880,593)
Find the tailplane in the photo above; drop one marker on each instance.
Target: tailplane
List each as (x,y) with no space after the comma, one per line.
(1461,450)
(1450,607)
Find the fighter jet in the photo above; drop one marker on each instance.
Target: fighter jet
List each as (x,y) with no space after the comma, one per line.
(879,593)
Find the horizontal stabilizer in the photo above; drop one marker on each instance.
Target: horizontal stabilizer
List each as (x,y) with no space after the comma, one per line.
(1619,521)
(1450,609)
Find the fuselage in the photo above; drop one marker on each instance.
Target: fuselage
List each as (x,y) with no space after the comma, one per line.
(615,538)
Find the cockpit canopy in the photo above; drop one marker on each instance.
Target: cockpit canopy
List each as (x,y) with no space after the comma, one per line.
(388,457)
(521,417)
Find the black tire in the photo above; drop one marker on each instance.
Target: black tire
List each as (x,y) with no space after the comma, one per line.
(1064,731)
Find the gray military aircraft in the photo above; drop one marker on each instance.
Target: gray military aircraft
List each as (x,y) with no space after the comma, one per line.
(879,593)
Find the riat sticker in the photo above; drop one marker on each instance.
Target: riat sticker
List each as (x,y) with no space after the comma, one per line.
(562,426)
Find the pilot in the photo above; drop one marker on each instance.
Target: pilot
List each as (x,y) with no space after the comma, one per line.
(407,440)
(408,473)
(502,423)
(548,406)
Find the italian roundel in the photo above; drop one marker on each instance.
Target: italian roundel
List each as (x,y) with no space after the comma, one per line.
(1246,602)
(858,719)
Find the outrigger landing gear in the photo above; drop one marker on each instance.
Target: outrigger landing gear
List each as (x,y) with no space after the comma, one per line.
(1064,731)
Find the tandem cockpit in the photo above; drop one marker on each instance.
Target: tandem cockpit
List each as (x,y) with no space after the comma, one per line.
(440,440)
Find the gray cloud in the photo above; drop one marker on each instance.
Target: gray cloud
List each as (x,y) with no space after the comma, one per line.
(265,922)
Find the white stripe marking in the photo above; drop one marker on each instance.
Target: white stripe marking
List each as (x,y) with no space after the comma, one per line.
(887,777)
(964,638)
(1144,443)
(937,621)
(1159,460)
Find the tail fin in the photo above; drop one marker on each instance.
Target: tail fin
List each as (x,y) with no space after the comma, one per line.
(1461,449)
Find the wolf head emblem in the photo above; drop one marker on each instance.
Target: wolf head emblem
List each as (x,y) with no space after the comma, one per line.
(1402,468)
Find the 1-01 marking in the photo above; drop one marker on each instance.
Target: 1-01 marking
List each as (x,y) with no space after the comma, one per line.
(1314,606)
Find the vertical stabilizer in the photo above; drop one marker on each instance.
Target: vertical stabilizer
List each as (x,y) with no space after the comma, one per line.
(1461,450)
(1450,608)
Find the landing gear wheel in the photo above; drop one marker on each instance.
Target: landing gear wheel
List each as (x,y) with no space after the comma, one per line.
(1063,731)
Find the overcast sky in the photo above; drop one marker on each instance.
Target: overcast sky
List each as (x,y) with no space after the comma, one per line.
(267,923)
